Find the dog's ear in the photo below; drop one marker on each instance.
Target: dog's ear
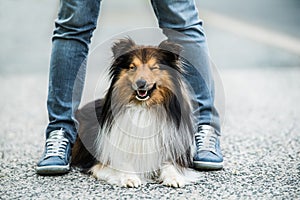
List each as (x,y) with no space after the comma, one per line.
(122,46)
(171,49)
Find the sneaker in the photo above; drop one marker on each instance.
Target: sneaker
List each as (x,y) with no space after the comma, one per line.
(208,155)
(57,153)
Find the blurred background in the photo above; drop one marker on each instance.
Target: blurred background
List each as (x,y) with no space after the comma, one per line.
(244,37)
(240,33)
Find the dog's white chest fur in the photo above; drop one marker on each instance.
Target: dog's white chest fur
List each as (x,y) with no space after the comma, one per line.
(135,141)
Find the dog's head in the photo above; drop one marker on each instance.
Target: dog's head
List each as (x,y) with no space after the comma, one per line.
(145,74)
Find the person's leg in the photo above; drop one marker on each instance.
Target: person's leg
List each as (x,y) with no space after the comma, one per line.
(180,23)
(74,26)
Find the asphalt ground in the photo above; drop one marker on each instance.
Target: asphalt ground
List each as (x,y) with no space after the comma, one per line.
(261,131)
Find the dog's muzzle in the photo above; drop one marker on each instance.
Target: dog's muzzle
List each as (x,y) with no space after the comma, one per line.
(143,91)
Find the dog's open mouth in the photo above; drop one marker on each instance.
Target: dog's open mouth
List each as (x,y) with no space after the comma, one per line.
(144,94)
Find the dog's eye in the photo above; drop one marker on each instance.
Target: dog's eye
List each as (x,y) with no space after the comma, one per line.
(132,67)
(155,67)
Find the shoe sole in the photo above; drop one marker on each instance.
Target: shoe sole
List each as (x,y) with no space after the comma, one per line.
(52,170)
(208,165)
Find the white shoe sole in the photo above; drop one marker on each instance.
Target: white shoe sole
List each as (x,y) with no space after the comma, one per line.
(208,165)
(53,169)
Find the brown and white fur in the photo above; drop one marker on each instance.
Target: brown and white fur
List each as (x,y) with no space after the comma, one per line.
(143,128)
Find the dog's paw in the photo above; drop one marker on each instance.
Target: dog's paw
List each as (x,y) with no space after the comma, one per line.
(171,177)
(115,177)
(174,181)
(128,180)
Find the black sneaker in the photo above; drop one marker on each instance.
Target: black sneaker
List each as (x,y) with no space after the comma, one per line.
(57,155)
(208,155)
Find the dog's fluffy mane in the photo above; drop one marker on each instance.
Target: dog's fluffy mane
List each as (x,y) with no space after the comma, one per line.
(137,136)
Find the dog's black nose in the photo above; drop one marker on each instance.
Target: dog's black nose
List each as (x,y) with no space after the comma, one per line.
(141,83)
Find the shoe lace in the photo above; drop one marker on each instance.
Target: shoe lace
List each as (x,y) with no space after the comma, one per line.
(56,144)
(206,138)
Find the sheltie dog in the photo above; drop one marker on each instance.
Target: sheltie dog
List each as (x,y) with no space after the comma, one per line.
(143,128)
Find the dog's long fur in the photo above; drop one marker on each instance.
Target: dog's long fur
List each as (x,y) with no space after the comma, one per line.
(143,128)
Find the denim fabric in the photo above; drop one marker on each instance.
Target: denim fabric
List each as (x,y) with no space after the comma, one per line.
(180,22)
(74,26)
(73,30)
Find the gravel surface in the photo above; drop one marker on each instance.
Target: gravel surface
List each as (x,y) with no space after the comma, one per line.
(261,144)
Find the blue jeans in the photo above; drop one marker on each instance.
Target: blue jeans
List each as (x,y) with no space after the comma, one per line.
(77,19)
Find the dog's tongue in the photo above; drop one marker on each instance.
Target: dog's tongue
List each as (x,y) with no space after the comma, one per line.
(142,93)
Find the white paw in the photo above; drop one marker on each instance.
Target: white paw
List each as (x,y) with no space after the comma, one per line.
(171,177)
(129,180)
(174,181)
(115,177)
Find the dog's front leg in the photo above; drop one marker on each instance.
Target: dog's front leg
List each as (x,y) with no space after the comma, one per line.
(115,177)
(170,176)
